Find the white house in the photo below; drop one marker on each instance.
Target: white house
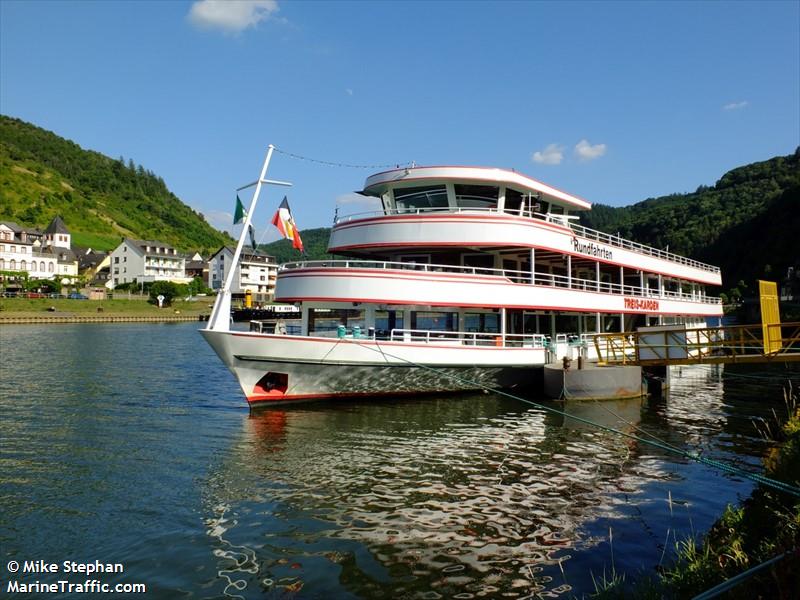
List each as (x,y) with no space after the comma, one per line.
(41,255)
(58,243)
(256,271)
(146,260)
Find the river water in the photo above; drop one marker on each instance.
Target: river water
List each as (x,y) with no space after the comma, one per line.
(131,444)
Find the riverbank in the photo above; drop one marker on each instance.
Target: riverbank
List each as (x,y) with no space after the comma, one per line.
(753,550)
(62,310)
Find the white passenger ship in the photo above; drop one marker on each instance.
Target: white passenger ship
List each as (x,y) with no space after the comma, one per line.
(466,277)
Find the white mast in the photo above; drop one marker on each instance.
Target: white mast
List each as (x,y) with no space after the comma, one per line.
(221,314)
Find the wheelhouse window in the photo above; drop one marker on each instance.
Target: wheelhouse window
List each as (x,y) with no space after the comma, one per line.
(524,204)
(420,198)
(476,196)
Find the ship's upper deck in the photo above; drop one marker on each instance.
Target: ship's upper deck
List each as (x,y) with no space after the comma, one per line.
(468,187)
(482,208)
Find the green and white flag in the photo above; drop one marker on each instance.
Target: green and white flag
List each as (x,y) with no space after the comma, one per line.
(238,215)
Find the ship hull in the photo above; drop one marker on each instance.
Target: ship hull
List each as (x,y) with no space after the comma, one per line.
(275,369)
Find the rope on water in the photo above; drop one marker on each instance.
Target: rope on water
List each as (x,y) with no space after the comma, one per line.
(766,481)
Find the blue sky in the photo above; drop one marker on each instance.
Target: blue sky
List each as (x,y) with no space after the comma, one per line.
(612,101)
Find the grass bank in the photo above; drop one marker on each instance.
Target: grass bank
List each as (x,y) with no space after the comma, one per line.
(134,307)
(763,527)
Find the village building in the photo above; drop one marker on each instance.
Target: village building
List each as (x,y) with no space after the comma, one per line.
(146,261)
(256,272)
(58,243)
(196,266)
(94,266)
(27,252)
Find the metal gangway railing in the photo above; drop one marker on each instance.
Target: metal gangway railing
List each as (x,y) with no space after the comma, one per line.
(677,345)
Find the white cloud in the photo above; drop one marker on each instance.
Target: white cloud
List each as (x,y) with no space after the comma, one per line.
(736,105)
(231,16)
(353,203)
(585,151)
(354,198)
(552,155)
(219,219)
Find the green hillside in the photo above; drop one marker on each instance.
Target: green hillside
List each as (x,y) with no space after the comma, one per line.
(100,199)
(315,242)
(747,223)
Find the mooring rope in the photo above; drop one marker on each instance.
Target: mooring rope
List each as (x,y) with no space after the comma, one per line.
(734,581)
(766,481)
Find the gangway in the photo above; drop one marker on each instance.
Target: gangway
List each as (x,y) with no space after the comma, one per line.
(679,345)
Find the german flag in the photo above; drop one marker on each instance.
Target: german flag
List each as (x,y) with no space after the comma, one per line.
(284,221)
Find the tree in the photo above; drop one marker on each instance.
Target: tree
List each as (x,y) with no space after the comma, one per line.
(168,289)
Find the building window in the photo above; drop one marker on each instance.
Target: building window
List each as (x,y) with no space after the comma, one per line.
(2,264)
(116,259)
(51,267)
(22,249)
(13,249)
(12,264)
(41,266)
(33,266)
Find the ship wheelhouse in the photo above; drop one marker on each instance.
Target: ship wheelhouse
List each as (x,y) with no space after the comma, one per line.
(487,251)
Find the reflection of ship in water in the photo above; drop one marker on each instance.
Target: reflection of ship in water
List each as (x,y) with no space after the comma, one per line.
(474,494)
(446,495)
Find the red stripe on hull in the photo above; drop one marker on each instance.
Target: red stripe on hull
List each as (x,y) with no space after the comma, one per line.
(264,400)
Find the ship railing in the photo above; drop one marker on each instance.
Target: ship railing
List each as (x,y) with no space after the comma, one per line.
(433,336)
(562,220)
(469,338)
(510,275)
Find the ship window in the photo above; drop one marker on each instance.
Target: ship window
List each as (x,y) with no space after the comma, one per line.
(476,196)
(386,321)
(420,198)
(328,320)
(415,259)
(513,201)
(480,261)
(482,322)
(434,321)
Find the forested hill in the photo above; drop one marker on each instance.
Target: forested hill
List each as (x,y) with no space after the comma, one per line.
(101,199)
(315,243)
(747,223)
